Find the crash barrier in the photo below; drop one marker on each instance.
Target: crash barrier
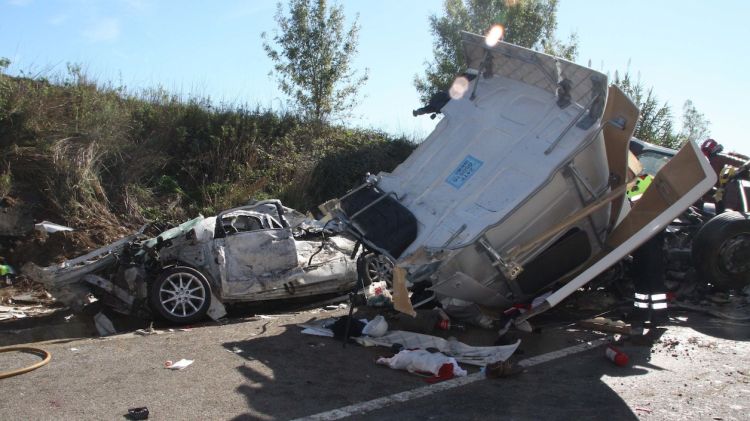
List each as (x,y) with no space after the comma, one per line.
(46,357)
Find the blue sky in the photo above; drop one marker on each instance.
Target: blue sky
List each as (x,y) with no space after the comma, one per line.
(684,49)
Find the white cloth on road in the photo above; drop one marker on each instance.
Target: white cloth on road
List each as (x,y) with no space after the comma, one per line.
(463,353)
(467,354)
(422,361)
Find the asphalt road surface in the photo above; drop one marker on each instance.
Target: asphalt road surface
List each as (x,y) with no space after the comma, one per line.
(263,368)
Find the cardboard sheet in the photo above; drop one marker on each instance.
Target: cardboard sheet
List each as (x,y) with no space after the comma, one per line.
(401,300)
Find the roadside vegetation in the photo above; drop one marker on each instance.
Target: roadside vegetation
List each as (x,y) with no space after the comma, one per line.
(84,153)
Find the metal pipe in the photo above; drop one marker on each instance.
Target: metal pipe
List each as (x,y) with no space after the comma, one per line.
(571,124)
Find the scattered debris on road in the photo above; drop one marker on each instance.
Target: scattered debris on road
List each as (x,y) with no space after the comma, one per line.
(702,343)
(20,312)
(378,295)
(616,356)
(140,413)
(148,331)
(603,324)
(376,327)
(179,365)
(399,339)
(501,369)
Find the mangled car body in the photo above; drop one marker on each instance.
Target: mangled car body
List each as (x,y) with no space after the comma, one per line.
(257,252)
(519,190)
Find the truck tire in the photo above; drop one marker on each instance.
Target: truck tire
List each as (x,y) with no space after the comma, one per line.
(180,294)
(721,251)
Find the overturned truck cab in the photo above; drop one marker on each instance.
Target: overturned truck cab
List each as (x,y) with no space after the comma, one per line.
(519,191)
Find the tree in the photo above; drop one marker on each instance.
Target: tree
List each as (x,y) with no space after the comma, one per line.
(528,23)
(312,54)
(694,124)
(655,124)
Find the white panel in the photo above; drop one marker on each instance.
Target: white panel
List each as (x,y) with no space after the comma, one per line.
(525,109)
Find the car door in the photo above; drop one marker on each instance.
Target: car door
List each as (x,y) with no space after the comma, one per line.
(254,252)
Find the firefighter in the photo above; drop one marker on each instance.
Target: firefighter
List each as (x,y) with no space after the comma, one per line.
(650,298)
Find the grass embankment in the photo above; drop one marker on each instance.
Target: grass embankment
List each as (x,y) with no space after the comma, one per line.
(93,156)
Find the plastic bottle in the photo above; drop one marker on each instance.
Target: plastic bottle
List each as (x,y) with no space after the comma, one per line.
(616,356)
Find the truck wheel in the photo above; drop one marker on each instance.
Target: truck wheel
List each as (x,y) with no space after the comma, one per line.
(721,251)
(181,295)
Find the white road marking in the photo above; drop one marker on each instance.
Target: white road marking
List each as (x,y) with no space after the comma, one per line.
(541,359)
(379,403)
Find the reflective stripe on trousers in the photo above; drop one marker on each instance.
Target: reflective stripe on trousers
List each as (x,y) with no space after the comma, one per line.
(653,301)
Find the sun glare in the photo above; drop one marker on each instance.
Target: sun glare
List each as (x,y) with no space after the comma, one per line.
(494,35)
(459,87)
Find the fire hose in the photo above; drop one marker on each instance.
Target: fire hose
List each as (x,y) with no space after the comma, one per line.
(45,355)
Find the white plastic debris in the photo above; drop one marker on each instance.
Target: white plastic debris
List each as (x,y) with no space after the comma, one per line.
(378,294)
(103,325)
(216,310)
(10,313)
(51,227)
(523,326)
(318,331)
(466,354)
(179,365)
(376,327)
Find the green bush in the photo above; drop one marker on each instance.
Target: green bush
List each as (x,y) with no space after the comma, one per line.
(86,150)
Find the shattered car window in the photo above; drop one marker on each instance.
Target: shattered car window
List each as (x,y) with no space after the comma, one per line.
(241,223)
(653,161)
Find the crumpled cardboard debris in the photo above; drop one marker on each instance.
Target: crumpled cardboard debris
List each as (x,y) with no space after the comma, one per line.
(604,324)
(401,300)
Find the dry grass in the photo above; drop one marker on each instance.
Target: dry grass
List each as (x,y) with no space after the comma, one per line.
(83,152)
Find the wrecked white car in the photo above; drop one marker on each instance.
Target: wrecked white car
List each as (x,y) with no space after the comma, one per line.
(520,189)
(258,252)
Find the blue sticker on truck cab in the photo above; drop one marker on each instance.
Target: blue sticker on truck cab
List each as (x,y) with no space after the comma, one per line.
(465,170)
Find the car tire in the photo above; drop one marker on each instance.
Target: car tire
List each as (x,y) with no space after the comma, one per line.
(374,267)
(721,249)
(181,295)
